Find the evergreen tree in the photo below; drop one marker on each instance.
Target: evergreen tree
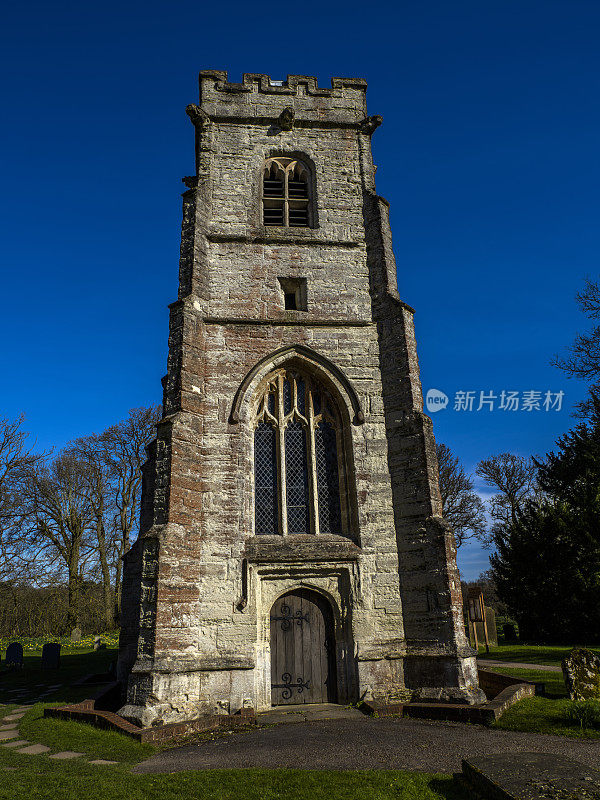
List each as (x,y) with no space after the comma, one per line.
(547,560)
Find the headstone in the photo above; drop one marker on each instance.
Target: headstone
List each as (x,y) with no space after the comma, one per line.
(581,669)
(76,635)
(509,632)
(14,655)
(51,655)
(97,642)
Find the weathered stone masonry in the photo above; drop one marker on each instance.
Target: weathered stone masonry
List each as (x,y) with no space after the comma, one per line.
(200,585)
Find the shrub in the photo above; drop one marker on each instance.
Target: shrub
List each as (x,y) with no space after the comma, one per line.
(586,713)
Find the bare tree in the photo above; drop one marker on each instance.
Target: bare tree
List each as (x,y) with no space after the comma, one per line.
(89,450)
(16,462)
(124,452)
(59,521)
(515,479)
(463,507)
(583,360)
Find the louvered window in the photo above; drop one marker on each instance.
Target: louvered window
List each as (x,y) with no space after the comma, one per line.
(286,193)
(297,467)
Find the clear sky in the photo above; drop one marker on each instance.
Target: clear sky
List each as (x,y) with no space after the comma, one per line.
(488,154)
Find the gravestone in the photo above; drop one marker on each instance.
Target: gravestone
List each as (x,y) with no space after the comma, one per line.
(14,655)
(51,655)
(76,635)
(581,669)
(97,642)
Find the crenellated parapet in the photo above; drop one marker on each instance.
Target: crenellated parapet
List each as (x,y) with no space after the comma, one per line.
(260,96)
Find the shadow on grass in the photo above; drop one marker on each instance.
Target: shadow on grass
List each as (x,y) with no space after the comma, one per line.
(32,683)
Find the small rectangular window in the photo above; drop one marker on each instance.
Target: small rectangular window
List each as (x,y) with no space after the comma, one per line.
(295,295)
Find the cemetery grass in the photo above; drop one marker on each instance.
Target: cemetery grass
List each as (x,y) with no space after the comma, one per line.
(74,665)
(529,653)
(60,734)
(542,714)
(38,777)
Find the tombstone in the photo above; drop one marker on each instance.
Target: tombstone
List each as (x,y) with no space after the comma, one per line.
(509,632)
(76,635)
(581,670)
(14,655)
(97,642)
(51,655)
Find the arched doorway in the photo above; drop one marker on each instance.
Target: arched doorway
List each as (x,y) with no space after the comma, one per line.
(302,649)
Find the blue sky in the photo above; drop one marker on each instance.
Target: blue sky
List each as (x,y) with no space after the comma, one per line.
(488,154)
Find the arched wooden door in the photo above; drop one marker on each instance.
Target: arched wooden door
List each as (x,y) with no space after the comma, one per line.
(302,649)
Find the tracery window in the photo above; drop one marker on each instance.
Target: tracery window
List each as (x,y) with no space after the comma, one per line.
(286,193)
(297,450)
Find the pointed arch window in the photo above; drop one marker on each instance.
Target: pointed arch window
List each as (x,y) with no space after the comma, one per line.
(286,193)
(298,467)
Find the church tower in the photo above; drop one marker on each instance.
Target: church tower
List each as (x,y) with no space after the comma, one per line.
(292,547)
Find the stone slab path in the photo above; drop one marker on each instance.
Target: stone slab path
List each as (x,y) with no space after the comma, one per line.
(307,712)
(365,743)
(9,733)
(488,662)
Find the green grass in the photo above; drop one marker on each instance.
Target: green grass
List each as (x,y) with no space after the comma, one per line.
(38,777)
(542,715)
(553,681)
(529,653)
(62,734)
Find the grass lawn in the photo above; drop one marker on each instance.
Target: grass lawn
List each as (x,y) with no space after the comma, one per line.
(61,734)
(37,776)
(529,653)
(542,714)
(553,681)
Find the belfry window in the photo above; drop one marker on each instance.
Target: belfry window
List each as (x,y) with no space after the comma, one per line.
(297,449)
(286,193)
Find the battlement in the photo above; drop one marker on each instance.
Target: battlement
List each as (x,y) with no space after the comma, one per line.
(218,96)
(257,82)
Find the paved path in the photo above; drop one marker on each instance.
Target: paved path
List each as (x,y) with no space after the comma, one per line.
(365,743)
(9,737)
(488,662)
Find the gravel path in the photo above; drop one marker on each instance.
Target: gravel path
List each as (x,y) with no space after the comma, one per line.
(399,743)
(488,662)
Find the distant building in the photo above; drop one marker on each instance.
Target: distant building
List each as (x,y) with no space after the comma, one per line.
(292,546)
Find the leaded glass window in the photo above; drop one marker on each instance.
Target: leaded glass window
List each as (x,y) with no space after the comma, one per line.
(297,451)
(265,479)
(327,477)
(296,478)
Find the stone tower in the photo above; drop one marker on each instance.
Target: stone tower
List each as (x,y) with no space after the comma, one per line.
(292,546)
